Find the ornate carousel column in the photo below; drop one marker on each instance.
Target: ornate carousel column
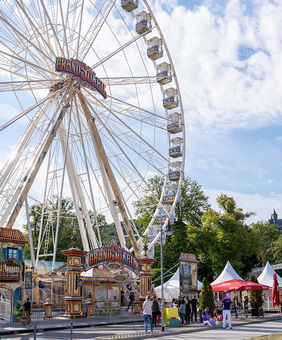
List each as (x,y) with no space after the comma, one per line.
(145,275)
(73,290)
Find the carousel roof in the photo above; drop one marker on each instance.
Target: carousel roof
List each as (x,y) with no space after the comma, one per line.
(266,277)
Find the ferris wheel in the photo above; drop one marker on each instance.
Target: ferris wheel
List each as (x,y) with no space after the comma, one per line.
(92,87)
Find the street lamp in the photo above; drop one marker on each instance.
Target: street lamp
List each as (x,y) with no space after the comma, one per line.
(168,232)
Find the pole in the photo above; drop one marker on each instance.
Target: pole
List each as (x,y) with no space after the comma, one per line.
(162,277)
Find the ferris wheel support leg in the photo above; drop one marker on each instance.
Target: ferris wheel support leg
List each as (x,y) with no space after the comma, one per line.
(40,159)
(115,188)
(78,195)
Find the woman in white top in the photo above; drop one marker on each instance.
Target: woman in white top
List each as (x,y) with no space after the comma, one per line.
(147,312)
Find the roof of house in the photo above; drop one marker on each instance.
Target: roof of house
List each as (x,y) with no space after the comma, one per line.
(11,235)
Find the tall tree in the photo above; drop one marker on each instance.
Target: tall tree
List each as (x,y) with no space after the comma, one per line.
(223,236)
(189,210)
(206,297)
(267,235)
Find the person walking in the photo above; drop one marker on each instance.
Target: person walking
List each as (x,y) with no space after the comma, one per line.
(236,306)
(194,303)
(27,311)
(155,311)
(181,309)
(160,313)
(147,312)
(187,310)
(131,301)
(227,305)
(246,306)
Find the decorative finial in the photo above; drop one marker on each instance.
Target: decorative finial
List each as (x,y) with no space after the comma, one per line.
(145,247)
(74,237)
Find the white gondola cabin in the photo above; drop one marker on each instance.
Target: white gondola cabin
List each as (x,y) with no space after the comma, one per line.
(174,125)
(174,171)
(176,149)
(174,175)
(170,193)
(170,100)
(155,49)
(164,73)
(143,23)
(129,5)
(162,214)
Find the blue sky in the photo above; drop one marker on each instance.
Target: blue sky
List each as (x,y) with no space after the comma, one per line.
(228,59)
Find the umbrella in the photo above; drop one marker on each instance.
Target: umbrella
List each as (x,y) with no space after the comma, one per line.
(237,285)
(275,292)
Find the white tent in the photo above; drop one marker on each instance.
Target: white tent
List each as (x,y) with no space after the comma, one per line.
(227,274)
(171,287)
(266,277)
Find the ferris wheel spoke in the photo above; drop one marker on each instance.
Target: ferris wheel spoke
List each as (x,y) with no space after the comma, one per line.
(25,62)
(52,26)
(24,38)
(96,25)
(131,130)
(111,81)
(65,42)
(6,86)
(121,48)
(30,18)
(25,112)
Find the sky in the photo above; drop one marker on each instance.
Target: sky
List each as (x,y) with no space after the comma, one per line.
(228,59)
(227,56)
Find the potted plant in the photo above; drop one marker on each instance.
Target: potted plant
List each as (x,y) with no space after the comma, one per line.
(256,300)
(13,262)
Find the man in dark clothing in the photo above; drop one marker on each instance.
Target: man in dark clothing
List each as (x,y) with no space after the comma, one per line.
(227,304)
(187,310)
(194,303)
(131,301)
(155,311)
(27,308)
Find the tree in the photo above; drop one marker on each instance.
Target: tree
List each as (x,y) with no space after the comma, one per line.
(206,297)
(223,236)
(189,210)
(266,234)
(255,297)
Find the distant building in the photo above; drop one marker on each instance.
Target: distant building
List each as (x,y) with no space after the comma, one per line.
(277,221)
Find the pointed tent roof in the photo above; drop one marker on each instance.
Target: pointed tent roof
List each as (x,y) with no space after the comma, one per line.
(266,277)
(227,274)
(171,287)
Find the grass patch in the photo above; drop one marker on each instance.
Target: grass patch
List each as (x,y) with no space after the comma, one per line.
(277,336)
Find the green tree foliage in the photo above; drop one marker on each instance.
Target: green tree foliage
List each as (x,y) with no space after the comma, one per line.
(223,236)
(189,210)
(255,295)
(206,297)
(267,235)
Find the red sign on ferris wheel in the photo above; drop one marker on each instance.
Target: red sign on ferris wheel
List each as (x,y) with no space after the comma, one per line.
(82,73)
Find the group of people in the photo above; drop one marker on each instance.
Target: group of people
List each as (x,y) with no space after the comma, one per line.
(187,308)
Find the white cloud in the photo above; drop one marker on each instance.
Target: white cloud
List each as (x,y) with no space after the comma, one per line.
(262,206)
(220,89)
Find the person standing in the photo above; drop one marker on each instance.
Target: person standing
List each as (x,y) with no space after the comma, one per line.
(227,304)
(155,311)
(131,301)
(27,310)
(160,313)
(236,306)
(182,311)
(147,312)
(187,310)
(194,303)
(246,306)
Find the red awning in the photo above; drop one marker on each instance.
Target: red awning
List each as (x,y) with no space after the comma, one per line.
(237,285)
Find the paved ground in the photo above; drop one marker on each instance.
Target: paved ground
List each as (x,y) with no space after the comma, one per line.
(135,331)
